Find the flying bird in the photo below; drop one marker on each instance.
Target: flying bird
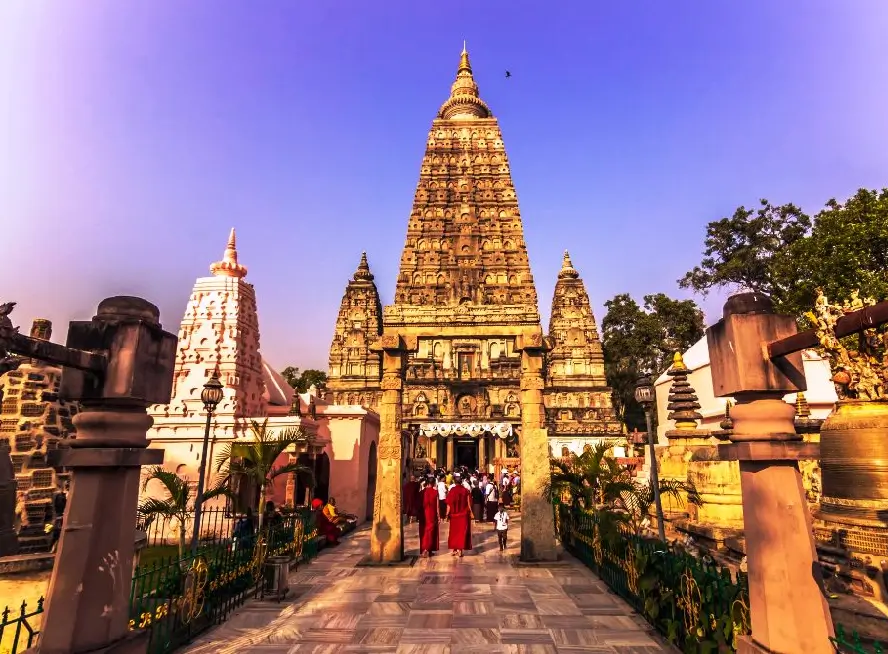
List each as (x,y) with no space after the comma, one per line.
(508,74)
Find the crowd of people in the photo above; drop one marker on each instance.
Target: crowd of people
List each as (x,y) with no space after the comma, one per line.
(459,497)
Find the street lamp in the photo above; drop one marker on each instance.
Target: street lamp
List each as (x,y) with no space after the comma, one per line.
(645,396)
(211,395)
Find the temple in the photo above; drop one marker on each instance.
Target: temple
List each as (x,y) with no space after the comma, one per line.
(465,301)
(220,333)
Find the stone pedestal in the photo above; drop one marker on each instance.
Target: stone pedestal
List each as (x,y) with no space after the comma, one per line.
(386,532)
(537,521)
(88,602)
(788,609)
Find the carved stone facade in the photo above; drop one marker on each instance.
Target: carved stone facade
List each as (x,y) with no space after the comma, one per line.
(358,326)
(220,330)
(465,308)
(33,421)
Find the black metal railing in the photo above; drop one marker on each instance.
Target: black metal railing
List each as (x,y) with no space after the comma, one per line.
(215,525)
(177,598)
(697,605)
(19,632)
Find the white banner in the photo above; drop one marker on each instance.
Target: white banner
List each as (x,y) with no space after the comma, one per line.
(466,429)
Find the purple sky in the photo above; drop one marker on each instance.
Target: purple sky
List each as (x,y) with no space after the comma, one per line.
(134,135)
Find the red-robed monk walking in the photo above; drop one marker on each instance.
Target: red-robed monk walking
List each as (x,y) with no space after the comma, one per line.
(411,497)
(459,510)
(429,517)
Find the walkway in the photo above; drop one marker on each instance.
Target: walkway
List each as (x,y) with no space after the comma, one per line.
(482,603)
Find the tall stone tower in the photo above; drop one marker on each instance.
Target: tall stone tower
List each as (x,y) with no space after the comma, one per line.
(353,365)
(459,364)
(220,331)
(578,399)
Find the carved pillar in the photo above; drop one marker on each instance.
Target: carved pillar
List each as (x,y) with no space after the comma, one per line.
(386,535)
(450,457)
(538,529)
(788,609)
(482,453)
(88,601)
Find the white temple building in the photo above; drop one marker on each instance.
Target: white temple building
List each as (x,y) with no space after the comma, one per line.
(220,332)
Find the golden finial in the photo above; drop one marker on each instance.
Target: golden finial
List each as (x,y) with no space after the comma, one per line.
(567,269)
(678,362)
(464,101)
(363,271)
(229,267)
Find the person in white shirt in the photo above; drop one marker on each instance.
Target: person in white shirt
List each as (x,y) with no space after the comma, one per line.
(501,521)
(491,495)
(442,495)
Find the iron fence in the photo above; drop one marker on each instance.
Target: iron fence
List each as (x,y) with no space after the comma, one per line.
(177,598)
(697,605)
(854,644)
(216,524)
(19,632)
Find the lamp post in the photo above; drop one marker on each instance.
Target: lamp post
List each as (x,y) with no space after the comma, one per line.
(645,396)
(211,395)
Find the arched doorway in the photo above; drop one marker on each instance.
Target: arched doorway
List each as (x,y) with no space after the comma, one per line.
(322,477)
(302,482)
(371,480)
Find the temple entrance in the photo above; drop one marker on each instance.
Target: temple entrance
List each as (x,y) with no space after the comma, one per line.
(467,454)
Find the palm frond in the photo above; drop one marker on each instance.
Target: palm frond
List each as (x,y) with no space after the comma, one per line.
(221,489)
(297,468)
(176,487)
(151,507)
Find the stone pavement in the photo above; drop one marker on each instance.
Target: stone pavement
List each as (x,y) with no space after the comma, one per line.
(483,602)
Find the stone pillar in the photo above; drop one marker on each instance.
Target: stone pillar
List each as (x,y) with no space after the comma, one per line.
(482,453)
(788,609)
(537,522)
(8,539)
(450,456)
(87,606)
(386,535)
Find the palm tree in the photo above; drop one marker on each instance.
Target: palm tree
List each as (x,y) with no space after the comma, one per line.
(637,500)
(591,479)
(255,460)
(177,505)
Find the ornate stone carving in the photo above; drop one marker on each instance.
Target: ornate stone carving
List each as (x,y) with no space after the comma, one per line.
(354,366)
(220,330)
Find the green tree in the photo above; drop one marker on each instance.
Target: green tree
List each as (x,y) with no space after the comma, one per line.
(638,501)
(642,341)
(302,381)
(590,479)
(291,375)
(177,506)
(846,250)
(256,460)
(751,250)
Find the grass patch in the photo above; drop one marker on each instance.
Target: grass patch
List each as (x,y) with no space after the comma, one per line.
(157,554)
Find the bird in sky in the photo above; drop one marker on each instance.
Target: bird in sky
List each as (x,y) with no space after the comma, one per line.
(508,74)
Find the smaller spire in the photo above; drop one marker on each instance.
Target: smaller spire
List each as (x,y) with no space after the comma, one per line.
(363,272)
(802,408)
(678,362)
(683,403)
(229,267)
(567,269)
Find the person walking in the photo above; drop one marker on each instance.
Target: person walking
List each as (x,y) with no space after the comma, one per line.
(477,501)
(442,495)
(459,512)
(429,519)
(501,522)
(491,495)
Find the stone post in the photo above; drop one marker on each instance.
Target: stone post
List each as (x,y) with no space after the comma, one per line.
(451,457)
(8,538)
(87,606)
(537,521)
(386,532)
(788,610)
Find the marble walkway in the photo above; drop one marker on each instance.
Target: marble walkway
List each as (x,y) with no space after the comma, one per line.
(481,603)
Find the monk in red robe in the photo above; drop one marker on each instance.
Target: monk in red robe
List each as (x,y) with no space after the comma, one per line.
(459,511)
(428,520)
(325,527)
(412,502)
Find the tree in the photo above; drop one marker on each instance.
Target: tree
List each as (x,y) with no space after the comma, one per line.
(751,250)
(642,341)
(781,252)
(291,375)
(638,500)
(589,479)
(846,250)
(177,504)
(302,381)
(256,460)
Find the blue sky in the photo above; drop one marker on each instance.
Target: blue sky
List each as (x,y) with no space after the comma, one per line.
(134,135)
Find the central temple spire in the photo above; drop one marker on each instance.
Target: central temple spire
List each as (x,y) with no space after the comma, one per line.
(464,102)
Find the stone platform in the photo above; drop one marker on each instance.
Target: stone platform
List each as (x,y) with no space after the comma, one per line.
(482,603)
